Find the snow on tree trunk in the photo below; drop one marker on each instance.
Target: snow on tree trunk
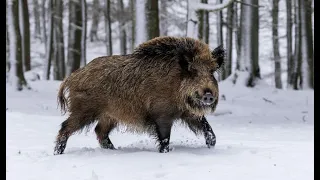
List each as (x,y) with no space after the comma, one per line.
(163,17)
(25,34)
(84,33)
(140,25)
(195,5)
(275,40)
(44,21)
(228,64)
(36,14)
(59,68)
(203,27)
(16,71)
(49,42)
(152,13)
(74,36)
(107,20)
(123,34)
(95,20)
(289,44)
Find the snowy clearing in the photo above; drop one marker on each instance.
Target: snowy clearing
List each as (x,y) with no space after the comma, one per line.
(262,133)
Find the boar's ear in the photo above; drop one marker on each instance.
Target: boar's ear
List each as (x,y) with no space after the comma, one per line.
(219,55)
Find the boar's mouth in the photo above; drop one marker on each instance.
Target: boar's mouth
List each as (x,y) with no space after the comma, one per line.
(196,103)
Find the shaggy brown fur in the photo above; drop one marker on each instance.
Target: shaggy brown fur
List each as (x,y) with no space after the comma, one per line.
(163,80)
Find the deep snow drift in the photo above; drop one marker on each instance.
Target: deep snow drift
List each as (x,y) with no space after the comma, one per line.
(262,133)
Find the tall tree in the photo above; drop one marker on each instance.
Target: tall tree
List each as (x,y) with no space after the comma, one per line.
(84,33)
(152,18)
(25,34)
(249,48)
(237,34)
(203,27)
(123,34)
(290,62)
(49,51)
(219,25)
(59,68)
(140,22)
(74,36)
(44,22)
(95,20)
(132,4)
(163,16)
(36,14)
(16,74)
(230,19)
(275,40)
(107,20)
(296,79)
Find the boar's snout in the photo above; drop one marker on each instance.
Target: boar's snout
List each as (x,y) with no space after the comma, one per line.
(208,98)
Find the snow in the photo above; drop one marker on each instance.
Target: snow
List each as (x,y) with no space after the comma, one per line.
(262,133)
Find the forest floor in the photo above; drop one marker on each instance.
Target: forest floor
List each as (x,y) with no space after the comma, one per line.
(262,134)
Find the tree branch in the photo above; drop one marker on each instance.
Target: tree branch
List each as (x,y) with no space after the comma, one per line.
(210,7)
(247,4)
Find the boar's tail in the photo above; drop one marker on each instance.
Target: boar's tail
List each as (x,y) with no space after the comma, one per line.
(62,100)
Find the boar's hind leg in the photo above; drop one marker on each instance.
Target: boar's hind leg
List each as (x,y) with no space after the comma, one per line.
(102,130)
(200,124)
(68,127)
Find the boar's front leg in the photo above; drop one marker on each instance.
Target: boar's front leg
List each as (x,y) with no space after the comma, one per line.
(200,125)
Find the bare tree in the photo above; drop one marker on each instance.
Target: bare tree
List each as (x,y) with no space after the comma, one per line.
(132,27)
(44,21)
(95,20)
(84,33)
(59,68)
(36,14)
(275,40)
(16,74)
(163,16)
(123,34)
(74,36)
(25,34)
(296,79)
(290,62)
(203,28)
(237,34)
(228,66)
(152,13)
(49,51)
(107,20)
(219,25)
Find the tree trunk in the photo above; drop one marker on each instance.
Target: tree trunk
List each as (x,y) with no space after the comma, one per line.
(25,33)
(237,35)
(203,27)
(133,22)
(7,41)
(95,20)
(123,34)
(59,68)
(140,22)
(36,14)
(163,17)
(17,75)
(44,20)
(290,62)
(228,67)
(275,40)
(108,27)
(152,19)
(309,37)
(219,25)
(74,36)
(49,43)
(297,50)
(84,33)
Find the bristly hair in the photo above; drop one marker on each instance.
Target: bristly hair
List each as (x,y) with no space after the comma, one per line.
(170,47)
(219,54)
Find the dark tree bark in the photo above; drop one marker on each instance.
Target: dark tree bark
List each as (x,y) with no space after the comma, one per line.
(219,25)
(133,22)
(59,68)
(74,36)
(108,27)
(152,14)
(123,34)
(16,57)
(275,40)
(25,33)
(44,21)
(36,14)
(296,79)
(49,51)
(203,28)
(290,63)
(228,64)
(84,33)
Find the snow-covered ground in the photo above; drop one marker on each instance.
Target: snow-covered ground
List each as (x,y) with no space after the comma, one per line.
(262,134)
